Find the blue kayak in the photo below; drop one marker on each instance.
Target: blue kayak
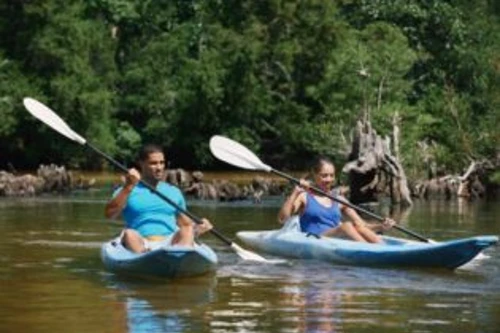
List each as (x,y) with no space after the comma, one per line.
(290,242)
(163,260)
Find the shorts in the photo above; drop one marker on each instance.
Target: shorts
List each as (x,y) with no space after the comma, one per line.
(152,242)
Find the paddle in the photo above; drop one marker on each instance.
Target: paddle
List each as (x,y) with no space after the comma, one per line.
(50,118)
(238,155)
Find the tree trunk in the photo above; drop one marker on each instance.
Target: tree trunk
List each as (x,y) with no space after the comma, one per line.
(373,169)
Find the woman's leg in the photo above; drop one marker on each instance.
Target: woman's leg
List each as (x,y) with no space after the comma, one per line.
(368,234)
(347,229)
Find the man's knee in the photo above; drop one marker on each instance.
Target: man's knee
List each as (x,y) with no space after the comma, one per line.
(129,234)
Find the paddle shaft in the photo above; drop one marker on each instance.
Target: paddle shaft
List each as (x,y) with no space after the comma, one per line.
(158,193)
(362,210)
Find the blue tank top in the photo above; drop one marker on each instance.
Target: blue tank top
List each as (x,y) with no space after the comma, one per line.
(317,218)
(149,214)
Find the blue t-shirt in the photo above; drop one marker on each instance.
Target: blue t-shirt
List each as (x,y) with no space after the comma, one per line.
(149,214)
(316,218)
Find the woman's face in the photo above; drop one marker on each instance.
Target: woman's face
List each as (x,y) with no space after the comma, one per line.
(325,176)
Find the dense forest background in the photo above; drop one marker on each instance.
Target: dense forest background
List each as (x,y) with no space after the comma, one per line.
(288,79)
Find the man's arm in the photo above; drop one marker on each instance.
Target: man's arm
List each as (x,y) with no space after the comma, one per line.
(115,206)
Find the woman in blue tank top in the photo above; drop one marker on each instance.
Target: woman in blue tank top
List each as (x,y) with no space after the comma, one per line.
(320,215)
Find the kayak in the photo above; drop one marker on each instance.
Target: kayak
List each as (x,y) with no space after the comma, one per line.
(163,260)
(290,242)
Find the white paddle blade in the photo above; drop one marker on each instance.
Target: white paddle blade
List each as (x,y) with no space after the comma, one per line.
(236,154)
(50,118)
(248,255)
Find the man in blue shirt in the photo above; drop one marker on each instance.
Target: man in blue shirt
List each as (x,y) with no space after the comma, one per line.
(147,216)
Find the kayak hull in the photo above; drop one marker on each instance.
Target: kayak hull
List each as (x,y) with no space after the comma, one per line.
(164,260)
(290,242)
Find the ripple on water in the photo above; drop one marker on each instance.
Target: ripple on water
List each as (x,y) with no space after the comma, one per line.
(71,244)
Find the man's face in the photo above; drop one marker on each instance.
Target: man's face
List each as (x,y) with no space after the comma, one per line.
(154,166)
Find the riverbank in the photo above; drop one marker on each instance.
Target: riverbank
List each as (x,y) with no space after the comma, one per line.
(104,178)
(213,185)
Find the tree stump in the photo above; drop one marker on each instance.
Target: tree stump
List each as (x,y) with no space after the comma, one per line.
(373,169)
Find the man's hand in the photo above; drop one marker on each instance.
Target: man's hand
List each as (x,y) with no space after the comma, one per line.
(132,177)
(203,227)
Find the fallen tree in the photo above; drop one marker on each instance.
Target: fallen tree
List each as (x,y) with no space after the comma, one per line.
(472,184)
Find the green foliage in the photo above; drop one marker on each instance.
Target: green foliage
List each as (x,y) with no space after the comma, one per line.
(368,69)
(16,127)
(128,141)
(10,79)
(288,79)
(454,77)
(495,178)
(73,52)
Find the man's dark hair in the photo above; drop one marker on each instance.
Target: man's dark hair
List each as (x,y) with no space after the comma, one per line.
(147,150)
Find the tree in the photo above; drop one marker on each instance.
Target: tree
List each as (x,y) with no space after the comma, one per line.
(73,52)
(454,78)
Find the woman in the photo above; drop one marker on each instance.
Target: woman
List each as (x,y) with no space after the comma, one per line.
(320,215)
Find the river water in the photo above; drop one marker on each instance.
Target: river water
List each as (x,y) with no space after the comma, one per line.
(52,279)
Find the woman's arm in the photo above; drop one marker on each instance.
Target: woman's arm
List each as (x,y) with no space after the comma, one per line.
(358,221)
(353,216)
(292,205)
(387,224)
(351,213)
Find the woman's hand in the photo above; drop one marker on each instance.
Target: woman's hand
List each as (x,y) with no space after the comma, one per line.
(290,206)
(387,224)
(303,184)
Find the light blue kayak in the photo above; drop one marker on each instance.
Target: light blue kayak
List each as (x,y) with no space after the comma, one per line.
(164,260)
(396,252)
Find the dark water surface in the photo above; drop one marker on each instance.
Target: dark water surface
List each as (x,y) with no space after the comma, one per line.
(52,279)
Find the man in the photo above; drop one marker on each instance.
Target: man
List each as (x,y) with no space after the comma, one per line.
(148,217)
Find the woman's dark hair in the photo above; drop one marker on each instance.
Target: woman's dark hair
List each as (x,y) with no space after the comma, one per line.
(318,163)
(147,150)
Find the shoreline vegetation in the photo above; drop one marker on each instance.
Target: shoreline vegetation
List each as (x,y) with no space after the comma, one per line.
(289,80)
(222,185)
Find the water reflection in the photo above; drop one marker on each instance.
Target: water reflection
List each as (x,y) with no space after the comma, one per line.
(159,305)
(316,307)
(310,296)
